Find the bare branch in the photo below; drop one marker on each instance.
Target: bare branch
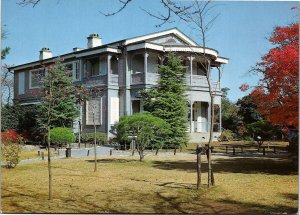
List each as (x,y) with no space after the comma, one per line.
(28,2)
(124,4)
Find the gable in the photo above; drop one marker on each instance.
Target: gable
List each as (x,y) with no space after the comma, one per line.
(168,40)
(168,37)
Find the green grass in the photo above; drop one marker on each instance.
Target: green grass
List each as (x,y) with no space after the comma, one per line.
(157,185)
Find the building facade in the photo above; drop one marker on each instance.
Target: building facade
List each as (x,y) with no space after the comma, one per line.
(120,70)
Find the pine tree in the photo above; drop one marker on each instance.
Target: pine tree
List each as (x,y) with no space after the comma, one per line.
(58,104)
(168,100)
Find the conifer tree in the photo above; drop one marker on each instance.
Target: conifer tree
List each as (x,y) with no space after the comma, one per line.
(168,100)
(57,105)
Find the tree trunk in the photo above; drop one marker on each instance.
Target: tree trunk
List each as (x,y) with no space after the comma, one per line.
(156,151)
(79,135)
(95,141)
(49,165)
(211,125)
(198,152)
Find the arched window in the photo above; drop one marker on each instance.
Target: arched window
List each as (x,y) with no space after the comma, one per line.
(153,62)
(137,64)
(114,65)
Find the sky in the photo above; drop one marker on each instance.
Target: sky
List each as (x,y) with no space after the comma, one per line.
(239,33)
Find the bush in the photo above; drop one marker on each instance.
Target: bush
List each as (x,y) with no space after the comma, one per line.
(89,137)
(11,136)
(62,136)
(10,153)
(227,135)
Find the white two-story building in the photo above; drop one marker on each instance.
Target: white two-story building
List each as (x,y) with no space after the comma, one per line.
(121,69)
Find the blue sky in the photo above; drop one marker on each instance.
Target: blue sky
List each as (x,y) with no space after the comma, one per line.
(239,33)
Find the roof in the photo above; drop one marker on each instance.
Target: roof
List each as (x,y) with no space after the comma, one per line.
(113,47)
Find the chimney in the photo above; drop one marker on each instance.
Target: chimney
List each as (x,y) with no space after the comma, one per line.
(94,40)
(76,49)
(45,53)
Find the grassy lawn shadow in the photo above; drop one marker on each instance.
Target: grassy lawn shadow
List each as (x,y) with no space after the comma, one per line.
(234,165)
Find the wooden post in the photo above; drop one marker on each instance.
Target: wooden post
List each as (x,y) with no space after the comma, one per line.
(42,155)
(132,154)
(264,151)
(274,147)
(242,149)
(198,152)
(226,149)
(233,150)
(39,153)
(88,153)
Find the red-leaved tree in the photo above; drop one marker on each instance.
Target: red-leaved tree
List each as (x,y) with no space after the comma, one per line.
(277,93)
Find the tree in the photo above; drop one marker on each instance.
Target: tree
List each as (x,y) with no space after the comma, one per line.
(145,127)
(277,93)
(168,100)
(230,115)
(57,103)
(247,109)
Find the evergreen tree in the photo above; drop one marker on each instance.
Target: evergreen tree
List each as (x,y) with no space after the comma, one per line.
(58,104)
(168,100)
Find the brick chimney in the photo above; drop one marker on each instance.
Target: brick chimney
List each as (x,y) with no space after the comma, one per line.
(45,53)
(94,40)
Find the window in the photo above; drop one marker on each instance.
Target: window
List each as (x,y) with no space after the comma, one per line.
(92,67)
(76,71)
(94,111)
(35,77)
(137,64)
(200,69)
(153,62)
(21,83)
(103,66)
(114,65)
(136,106)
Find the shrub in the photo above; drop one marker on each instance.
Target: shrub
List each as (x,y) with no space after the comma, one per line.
(11,136)
(227,135)
(10,153)
(62,136)
(89,137)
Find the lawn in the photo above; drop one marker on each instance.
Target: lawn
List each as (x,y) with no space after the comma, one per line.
(160,184)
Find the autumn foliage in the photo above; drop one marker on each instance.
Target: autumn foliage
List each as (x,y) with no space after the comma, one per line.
(277,93)
(10,136)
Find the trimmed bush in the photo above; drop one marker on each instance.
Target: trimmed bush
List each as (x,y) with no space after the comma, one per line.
(62,136)
(89,137)
(227,135)
(10,153)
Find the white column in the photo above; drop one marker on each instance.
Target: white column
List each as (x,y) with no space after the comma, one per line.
(191,69)
(108,68)
(220,118)
(191,117)
(146,66)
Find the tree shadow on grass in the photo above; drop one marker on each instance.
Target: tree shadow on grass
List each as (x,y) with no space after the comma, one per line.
(276,208)
(234,165)
(291,196)
(113,160)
